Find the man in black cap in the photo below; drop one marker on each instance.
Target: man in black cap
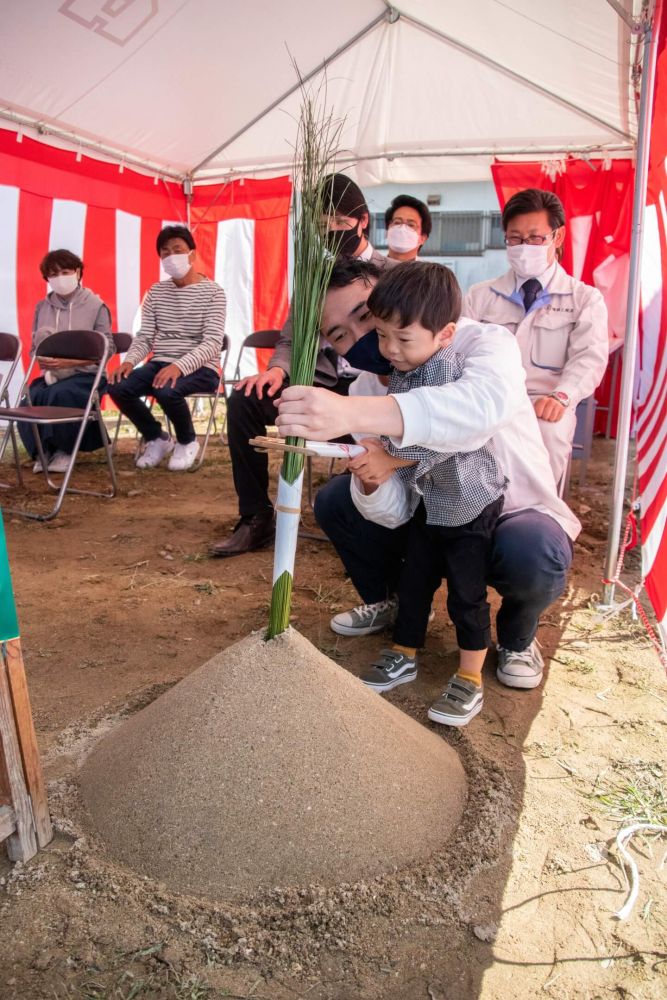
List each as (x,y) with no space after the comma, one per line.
(252,407)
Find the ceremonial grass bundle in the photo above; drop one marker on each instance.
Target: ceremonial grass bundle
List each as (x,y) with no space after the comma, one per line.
(317,142)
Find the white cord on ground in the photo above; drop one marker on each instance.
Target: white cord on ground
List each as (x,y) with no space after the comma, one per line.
(623,838)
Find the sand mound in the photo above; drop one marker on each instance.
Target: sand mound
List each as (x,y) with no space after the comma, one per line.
(270,765)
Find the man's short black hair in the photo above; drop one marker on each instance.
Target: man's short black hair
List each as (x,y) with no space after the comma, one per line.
(407,201)
(346,270)
(535,200)
(344,197)
(64,260)
(417,292)
(175,233)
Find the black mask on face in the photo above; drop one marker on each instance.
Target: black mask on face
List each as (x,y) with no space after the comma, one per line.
(365,355)
(342,242)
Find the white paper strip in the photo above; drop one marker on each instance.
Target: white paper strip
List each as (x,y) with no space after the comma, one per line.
(288,515)
(327,449)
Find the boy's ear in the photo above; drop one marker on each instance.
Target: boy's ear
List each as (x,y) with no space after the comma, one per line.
(445,335)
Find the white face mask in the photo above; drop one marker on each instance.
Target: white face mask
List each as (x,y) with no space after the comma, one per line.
(177,265)
(527,261)
(63,284)
(402,239)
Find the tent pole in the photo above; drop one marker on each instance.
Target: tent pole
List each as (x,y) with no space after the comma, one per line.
(387,15)
(631,339)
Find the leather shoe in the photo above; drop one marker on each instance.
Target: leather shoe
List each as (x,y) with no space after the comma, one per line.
(249,534)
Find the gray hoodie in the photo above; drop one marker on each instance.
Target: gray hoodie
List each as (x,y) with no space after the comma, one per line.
(83,310)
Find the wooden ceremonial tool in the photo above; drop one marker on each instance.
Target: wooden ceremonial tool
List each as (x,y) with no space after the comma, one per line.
(278,444)
(24,815)
(311,449)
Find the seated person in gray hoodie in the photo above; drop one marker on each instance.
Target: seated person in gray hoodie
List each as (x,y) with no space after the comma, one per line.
(68,306)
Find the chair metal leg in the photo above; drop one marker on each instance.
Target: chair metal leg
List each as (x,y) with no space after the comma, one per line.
(211,420)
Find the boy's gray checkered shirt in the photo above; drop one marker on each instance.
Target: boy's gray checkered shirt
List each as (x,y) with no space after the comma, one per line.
(455,487)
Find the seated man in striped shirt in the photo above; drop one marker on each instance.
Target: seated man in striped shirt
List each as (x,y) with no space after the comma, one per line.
(182,328)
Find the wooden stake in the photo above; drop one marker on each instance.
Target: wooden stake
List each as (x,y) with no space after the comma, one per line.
(22,843)
(27,739)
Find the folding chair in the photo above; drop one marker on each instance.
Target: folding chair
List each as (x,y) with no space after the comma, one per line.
(90,347)
(213,398)
(260,339)
(10,354)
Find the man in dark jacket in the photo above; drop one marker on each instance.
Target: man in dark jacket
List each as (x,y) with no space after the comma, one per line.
(252,407)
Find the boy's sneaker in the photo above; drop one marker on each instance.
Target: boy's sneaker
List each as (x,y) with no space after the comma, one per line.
(59,462)
(366,619)
(38,467)
(389,670)
(154,452)
(520,670)
(183,456)
(460,702)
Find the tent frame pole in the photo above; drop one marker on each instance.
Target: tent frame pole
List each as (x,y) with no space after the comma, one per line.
(386,15)
(631,339)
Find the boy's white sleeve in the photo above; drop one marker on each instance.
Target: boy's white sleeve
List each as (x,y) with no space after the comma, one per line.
(388,506)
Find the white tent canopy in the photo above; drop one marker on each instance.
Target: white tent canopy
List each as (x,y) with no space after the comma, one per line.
(429,89)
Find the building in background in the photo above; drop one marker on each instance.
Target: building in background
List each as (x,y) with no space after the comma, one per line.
(467,234)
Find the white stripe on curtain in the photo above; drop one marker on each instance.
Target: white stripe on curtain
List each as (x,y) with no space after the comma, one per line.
(234,270)
(68,226)
(128,270)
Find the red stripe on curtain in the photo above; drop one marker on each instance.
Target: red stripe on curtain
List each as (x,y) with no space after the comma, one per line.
(150,262)
(34,225)
(652,413)
(271,305)
(99,258)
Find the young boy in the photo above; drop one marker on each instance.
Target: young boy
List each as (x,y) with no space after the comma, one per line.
(453,501)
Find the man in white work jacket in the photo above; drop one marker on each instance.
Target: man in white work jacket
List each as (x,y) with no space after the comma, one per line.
(560,323)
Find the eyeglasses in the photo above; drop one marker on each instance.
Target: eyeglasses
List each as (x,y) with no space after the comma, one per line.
(532,241)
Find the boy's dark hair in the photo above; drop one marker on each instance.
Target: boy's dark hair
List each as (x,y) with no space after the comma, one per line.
(423,293)
(407,201)
(64,260)
(349,269)
(175,233)
(344,196)
(535,200)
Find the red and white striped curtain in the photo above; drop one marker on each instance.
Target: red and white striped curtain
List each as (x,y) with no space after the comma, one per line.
(50,199)
(652,399)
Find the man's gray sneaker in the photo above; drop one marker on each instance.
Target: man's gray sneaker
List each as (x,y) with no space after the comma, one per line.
(520,670)
(366,619)
(389,670)
(460,702)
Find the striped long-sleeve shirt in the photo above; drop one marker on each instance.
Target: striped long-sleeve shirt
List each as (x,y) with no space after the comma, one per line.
(184,325)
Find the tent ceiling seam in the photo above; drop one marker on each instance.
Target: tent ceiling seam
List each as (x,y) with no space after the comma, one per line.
(381,18)
(535,151)
(557,98)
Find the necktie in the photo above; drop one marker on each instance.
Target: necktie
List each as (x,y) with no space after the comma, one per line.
(530,290)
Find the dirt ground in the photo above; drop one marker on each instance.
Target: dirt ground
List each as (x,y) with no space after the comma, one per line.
(117,600)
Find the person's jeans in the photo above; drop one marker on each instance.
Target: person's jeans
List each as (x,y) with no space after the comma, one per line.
(530,557)
(127,395)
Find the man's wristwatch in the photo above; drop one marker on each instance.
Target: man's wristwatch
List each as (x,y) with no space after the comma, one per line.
(562,397)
